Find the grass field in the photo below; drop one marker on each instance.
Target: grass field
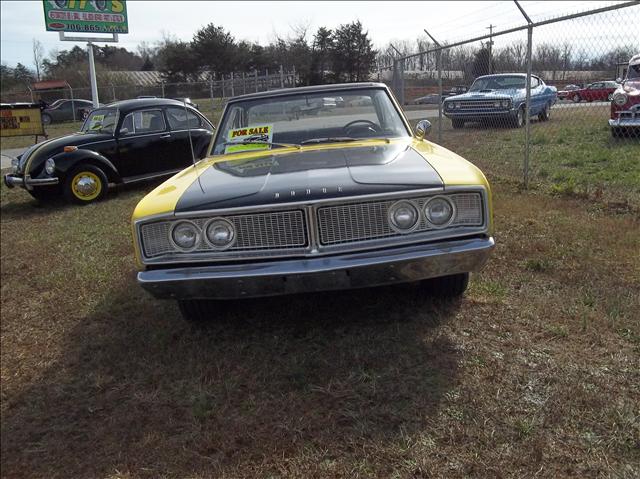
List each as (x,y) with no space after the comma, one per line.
(534,373)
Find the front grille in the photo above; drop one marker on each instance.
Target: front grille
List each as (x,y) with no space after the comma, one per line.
(477,104)
(264,232)
(369,220)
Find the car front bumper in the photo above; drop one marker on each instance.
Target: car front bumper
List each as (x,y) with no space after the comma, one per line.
(626,122)
(353,270)
(27,182)
(480,115)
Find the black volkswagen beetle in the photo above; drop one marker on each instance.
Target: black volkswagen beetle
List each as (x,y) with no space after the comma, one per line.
(123,142)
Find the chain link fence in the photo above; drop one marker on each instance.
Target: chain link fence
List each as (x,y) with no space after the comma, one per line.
(209,95)
(516,102)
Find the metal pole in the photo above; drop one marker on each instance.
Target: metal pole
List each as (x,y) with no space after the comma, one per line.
(266,77)
(211,95)
(162,88)
(439,66)
(73,103)
(233,93)
(527,128)
(92,76)
(281,77)
(255,76)
(294,82)
(244,84)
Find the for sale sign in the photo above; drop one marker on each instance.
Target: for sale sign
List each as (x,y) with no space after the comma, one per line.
(86,16)
(20,119)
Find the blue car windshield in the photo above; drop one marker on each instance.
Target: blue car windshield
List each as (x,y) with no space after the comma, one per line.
(498,83)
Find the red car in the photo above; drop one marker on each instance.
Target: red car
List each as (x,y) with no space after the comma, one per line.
(598,91)
(625,107)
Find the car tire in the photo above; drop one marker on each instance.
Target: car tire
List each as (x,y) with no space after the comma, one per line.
(85,184)
(519,120)
(46,119)
(457,123)
(450,286)
(576,98)
(545,114)
(200,310)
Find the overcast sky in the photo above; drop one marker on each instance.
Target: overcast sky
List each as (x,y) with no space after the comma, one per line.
(21,21)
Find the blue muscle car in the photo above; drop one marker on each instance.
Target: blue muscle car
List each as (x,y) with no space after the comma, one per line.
(502,98)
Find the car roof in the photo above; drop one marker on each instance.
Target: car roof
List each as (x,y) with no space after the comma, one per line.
(506,75)
(635,60)
(337,87)
(127,105)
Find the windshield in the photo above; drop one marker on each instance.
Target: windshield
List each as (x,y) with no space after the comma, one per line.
(321,117)
(498,83)
(100,121)
(634,72)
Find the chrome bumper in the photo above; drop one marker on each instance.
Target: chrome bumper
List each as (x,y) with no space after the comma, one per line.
(633,122)
(27,182)
(354,270)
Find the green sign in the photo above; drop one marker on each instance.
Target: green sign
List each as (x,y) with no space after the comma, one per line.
(86,16)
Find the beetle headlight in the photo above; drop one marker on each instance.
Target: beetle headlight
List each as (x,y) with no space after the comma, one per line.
(403,216)
(439,211)
(50,166)
(620,98)
(220,233)
(185,235)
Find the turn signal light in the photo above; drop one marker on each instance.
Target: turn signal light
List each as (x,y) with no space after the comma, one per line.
(69,149)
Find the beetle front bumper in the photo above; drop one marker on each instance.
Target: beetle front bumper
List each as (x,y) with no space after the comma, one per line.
(27,182)
(353,270)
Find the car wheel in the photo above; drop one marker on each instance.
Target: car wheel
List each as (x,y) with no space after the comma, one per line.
(447,286)
(85,184)
(200,310)
(545,114)
(456,123)
(610,97)
(518,121)
(46,119)
(576,98)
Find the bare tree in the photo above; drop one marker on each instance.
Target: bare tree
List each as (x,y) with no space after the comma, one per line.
(38,56)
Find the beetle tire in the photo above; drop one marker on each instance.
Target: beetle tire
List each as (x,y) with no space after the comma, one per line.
(92,173)
(450,286)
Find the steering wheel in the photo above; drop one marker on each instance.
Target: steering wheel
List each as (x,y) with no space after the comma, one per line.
(371,124)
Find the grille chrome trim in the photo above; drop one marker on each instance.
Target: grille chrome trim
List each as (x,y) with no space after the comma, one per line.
(314,248)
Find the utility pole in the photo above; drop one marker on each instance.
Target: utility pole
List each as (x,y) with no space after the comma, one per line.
(490,43)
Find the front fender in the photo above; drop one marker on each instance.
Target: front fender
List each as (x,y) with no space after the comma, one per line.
(66,161)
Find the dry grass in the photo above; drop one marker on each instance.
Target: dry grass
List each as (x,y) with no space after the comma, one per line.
(536,372)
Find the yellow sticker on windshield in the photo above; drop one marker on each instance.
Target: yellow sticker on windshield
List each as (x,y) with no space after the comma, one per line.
(255,137)
(96,122)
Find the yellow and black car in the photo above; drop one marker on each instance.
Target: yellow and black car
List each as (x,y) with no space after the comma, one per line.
(346,197)
(122,142)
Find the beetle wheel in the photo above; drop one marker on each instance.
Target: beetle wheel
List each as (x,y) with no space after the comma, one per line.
(86,184)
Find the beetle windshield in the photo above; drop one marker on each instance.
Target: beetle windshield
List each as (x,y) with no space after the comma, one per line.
(100,121)
(319,117)
(505,82)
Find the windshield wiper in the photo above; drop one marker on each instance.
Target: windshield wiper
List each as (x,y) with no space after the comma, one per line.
(330,139)
(270,143)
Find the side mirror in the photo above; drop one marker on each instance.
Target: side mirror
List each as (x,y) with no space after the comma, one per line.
(618,80)
(422,129)
(124,131)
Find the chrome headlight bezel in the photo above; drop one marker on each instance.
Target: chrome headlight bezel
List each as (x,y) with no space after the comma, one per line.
(452,216)
(620,98)
(228,224)
(50,166)
(393,221)
(178,247)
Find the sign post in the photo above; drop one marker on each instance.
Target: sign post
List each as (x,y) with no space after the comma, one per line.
(87,16)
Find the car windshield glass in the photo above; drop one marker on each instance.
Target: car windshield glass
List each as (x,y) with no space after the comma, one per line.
(100,121)
(297,118)
(634,72)
(498,83)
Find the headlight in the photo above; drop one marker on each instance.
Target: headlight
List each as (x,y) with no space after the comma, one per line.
(220,233)
(439,212)
(620,98)
(506,103)
(458,104)
(403,216)
(185,235)
(50,166)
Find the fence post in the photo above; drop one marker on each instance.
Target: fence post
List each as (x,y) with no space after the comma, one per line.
(213,108)
(527,127)
(439,66)
(73,106)
(113,92)
(162,87)
(294,82)
(255,76)
(244,84)
(266,78)
(281,77)
(233,93)
(222,84)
